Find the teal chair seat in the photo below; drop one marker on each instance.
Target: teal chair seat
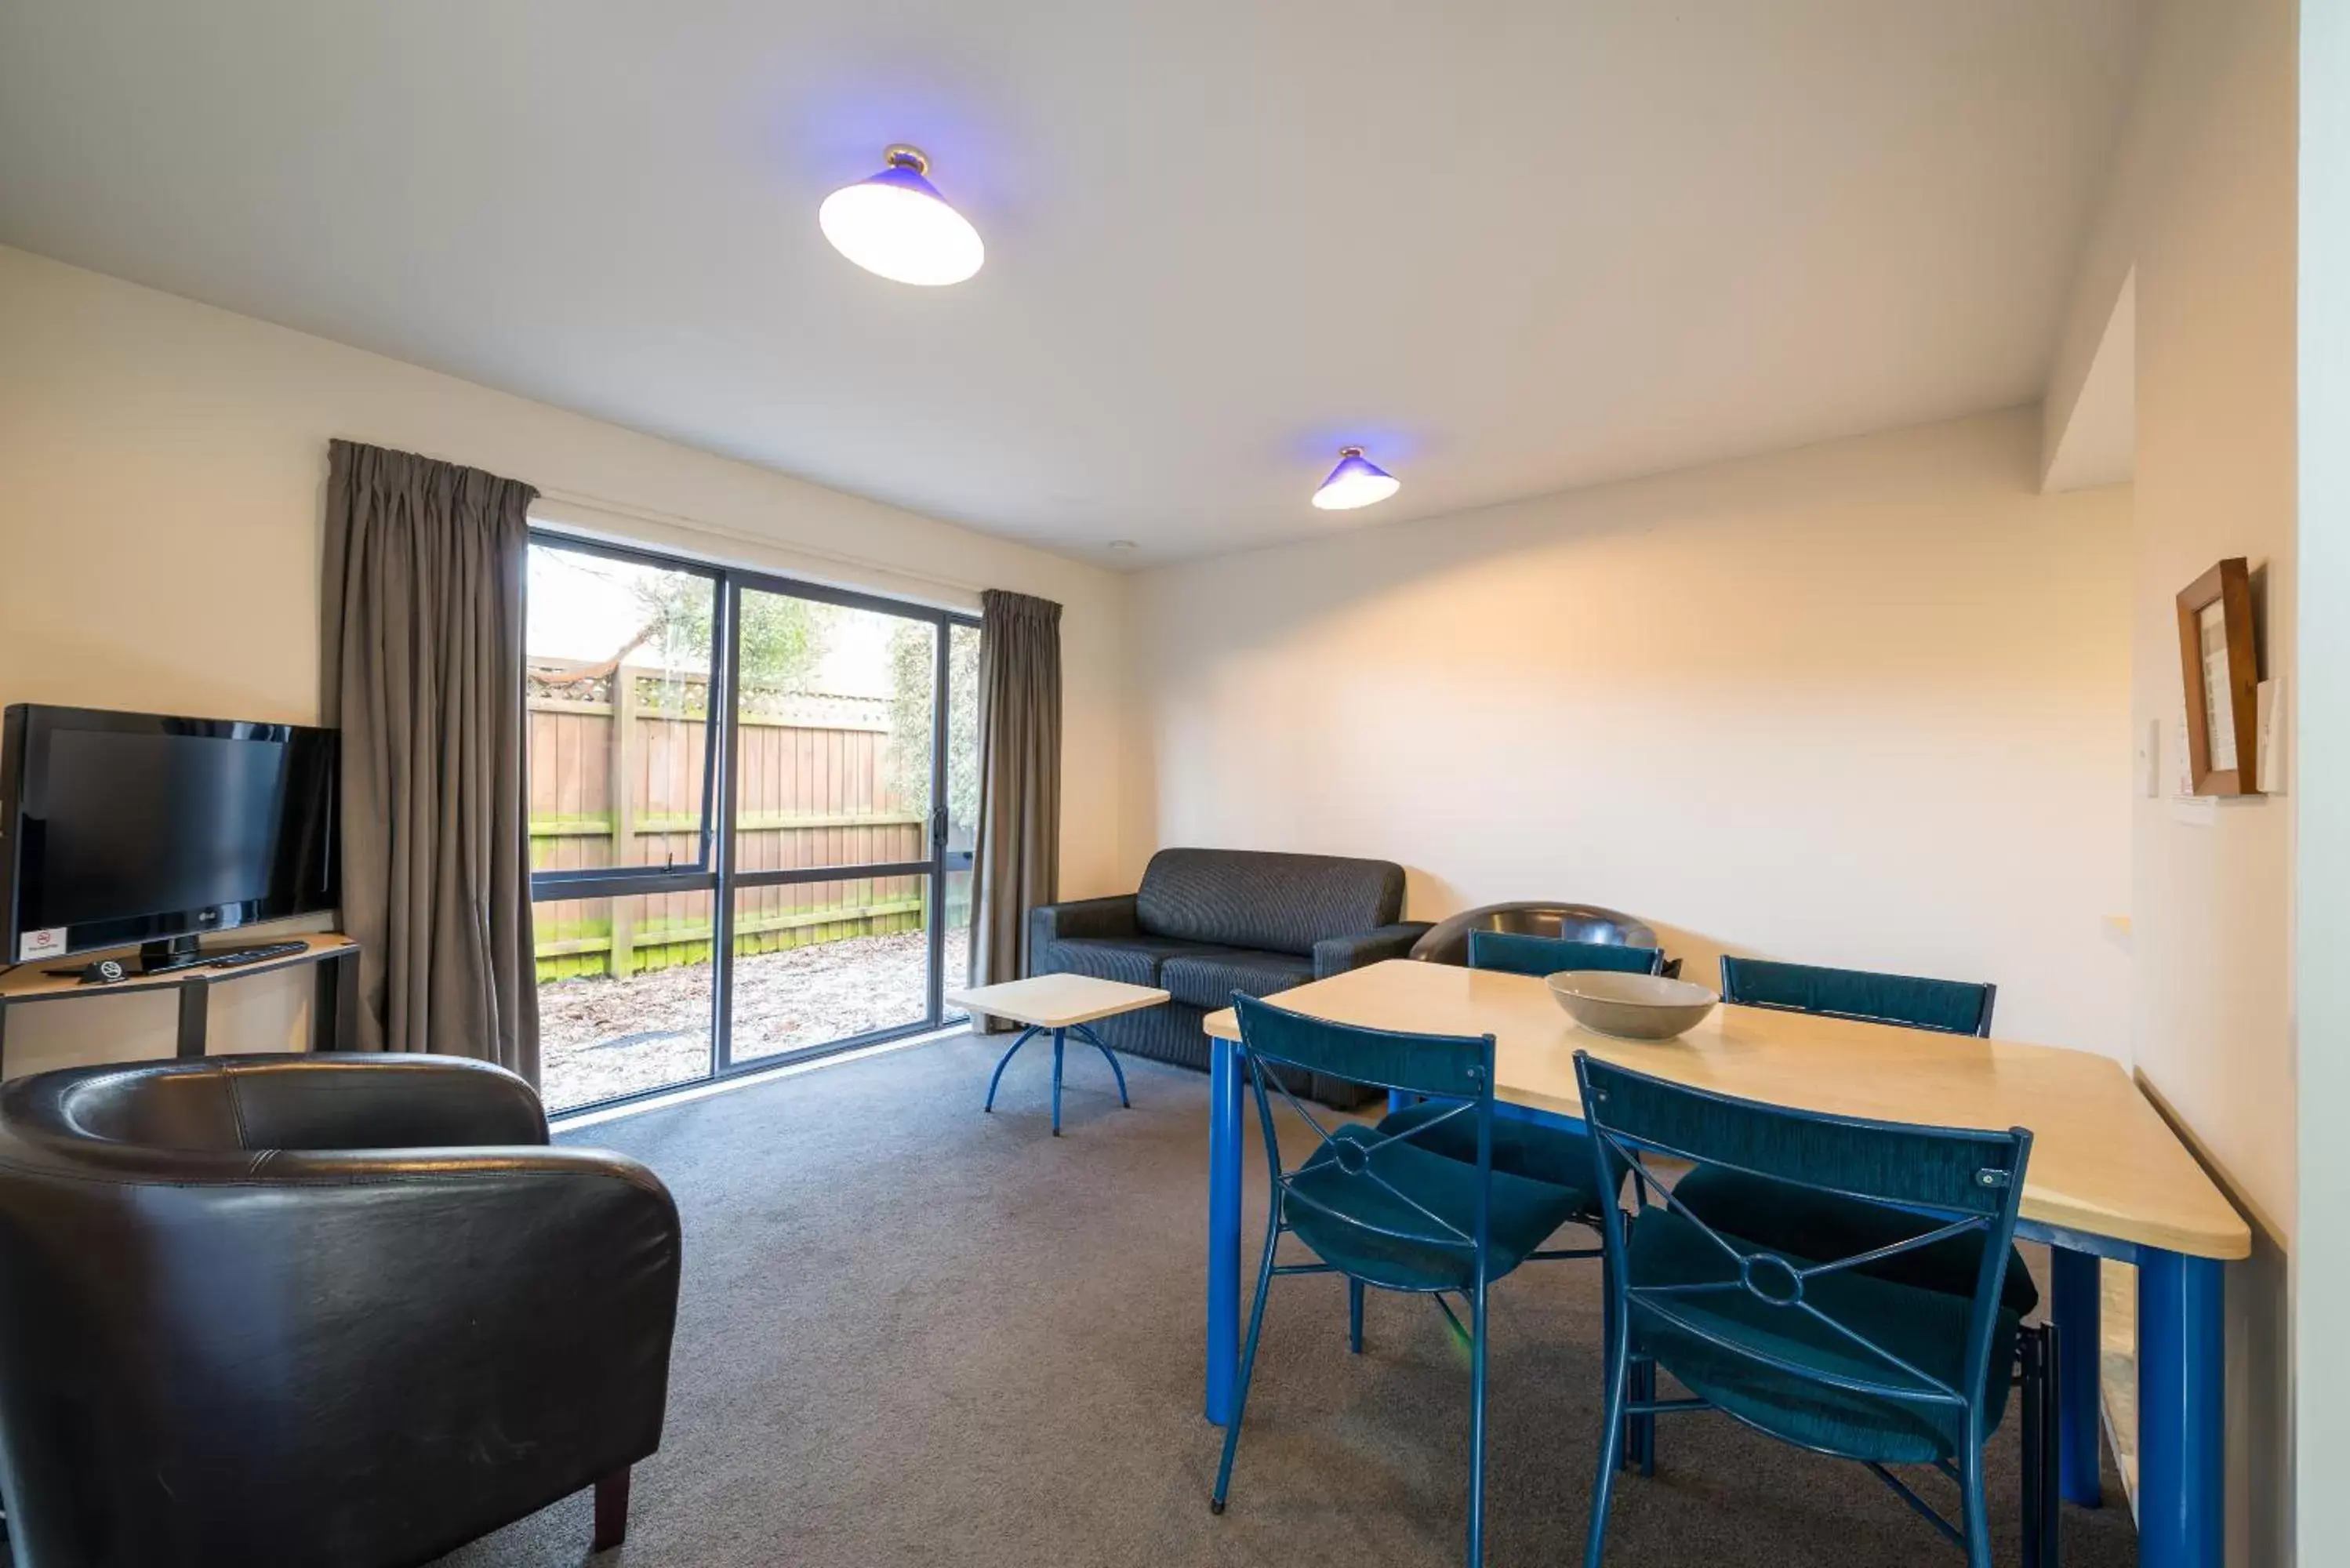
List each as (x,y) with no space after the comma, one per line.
(1804,1220)
(1798,1400)
(1377,1229)
(1553,1156)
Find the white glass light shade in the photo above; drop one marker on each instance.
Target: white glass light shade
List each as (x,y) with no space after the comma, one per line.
(898,225)
(1356,482)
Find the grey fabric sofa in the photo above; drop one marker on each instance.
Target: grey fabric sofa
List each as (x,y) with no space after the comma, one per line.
(1207,922)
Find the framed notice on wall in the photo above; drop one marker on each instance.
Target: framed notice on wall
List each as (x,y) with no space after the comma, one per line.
(2221,660)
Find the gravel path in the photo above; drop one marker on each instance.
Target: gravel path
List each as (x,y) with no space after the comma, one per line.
(599,1038)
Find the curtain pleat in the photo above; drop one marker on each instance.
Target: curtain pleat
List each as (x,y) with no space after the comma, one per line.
(1018,856)
(425,563)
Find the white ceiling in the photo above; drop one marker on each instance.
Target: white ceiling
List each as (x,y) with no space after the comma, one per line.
(1510,246)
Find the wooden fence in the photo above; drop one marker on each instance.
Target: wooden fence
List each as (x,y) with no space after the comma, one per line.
(617,765)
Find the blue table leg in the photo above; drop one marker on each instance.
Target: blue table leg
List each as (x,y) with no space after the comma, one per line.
(1005,1061)
(1223,1226)
(1059,1035)
(1083,1032)
(2181,1415)
(2075,1305)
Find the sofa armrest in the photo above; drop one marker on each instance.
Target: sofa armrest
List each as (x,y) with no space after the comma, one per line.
(1336,955)
(1111,917)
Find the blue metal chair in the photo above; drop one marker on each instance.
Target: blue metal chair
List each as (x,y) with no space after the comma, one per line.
(1382,1210)
(1825,1352)
(1518,952)
(1796,1218)
(1543,1151)
(1827,1224)
(1951,1006)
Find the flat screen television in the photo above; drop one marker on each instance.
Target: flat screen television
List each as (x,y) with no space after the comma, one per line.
(136,827)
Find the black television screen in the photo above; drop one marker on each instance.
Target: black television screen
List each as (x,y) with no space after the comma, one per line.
(135,827)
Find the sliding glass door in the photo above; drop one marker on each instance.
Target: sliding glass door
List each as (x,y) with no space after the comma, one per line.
(834,713)
(753,809)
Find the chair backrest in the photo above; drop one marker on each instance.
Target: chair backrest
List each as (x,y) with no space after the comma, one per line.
(305,1100)
(1951,1006)
(1973,1181)
(1439,1067)
(1518,953)
(1272,902)
(1447,942)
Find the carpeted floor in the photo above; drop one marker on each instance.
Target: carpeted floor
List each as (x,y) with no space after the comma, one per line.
(914,1333)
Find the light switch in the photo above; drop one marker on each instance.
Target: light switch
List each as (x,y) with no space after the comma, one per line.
(2270,779)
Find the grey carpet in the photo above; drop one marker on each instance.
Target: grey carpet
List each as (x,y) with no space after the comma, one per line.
(914,1333)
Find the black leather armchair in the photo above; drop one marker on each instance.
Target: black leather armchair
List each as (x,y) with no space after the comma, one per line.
(333,1311)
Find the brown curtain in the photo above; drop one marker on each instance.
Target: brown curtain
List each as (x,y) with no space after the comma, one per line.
(424,641)
(1018,856)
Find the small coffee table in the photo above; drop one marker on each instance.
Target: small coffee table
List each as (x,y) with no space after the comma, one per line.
(1062,1005)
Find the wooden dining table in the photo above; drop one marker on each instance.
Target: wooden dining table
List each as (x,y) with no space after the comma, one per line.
(2108,1179)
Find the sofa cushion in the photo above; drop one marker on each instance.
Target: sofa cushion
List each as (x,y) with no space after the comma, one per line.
(1134,959)
(1208,980)
(1278,903)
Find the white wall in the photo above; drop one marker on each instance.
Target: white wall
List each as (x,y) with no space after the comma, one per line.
(2201,211)
(2322,1262)
(162,469)
(1863,705)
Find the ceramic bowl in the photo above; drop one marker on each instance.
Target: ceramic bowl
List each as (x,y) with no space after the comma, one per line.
(1630,1006)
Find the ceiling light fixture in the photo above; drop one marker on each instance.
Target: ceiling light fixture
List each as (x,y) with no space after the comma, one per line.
(897,224)
(1356,482)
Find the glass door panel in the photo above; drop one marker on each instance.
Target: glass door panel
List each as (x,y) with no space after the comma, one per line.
(617,697)
(954,956)
(817,964)
(834,706)
(624,996)
(962,740)
(961,783)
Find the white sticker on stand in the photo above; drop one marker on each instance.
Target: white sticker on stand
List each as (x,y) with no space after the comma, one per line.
(47,943)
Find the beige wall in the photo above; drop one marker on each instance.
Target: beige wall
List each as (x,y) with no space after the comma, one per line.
(163,466)
(1864,704)
(2202,207)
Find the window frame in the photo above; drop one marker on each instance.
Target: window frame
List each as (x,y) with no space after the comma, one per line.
(715,872)
(623,881)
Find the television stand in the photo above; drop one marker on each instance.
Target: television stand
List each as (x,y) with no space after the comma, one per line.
(334,1006)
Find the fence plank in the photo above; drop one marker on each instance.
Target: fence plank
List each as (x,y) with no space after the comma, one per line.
(627,734)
